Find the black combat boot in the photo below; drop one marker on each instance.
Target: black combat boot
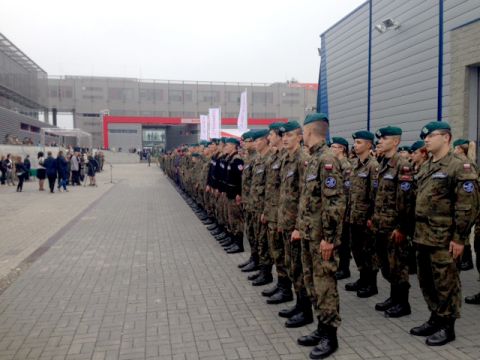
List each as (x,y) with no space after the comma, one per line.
(295,309)
(467,261)
(285,293)
(265,276)
(328,343)
(269,292)
(212,227)
(253,266)
(304,317)
(356,285)
(245,263)
(401,306)
(216,231)
(237,247)
(208,221)
(428,328)
(370,285)
(387,304)
(221,236)
(227,241)
(313,338)
(474,299)
(256,275)
(444,334)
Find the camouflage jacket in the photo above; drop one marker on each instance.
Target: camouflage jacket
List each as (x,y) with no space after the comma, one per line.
(257,186)
(363,187)
(447,201)
(248,165)
(322,200)
(272,185)
(394,200)
(291,174)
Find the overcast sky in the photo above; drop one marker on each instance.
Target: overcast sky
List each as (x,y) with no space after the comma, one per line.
(210,40)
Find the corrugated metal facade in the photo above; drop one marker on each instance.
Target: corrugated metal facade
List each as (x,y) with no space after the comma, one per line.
(404,65)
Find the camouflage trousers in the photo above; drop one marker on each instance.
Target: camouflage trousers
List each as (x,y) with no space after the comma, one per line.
(293,260)
(320,282)
(363,248)
(277,249)
(221,209)
(260,231)
(250,232)
(439,280)
(392,259)
(235,217)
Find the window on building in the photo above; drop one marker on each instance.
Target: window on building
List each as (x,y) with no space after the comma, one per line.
(92,97)
(122,131)
(25,127)
(262,97)
(150,95)
(90,114)
(290,102)
(92,88)
(233,97)
(209,96)
(120,94)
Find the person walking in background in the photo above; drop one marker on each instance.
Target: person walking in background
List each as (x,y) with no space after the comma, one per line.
(92,167)
(41,173)
(50,165)
(28,166)
(21,172)
(3,169)
(75,168)
(62,168)
(10,170)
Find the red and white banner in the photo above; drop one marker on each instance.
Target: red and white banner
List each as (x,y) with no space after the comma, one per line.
(203,127)
(242,123)
(214,121)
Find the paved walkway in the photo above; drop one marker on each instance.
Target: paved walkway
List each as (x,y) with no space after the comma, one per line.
(135,275)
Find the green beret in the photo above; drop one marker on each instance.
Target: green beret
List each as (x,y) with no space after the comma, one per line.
(459,142)
(195,154)
(204,143)
(310,118)
(223,139)
(289,126)
(432,126)
(388,131)
(247,136)
(339,140)
(403,148)
(215,141)
(232,141)
(257,134)
(275,126)
(417,145)
(193,145)
(364,135)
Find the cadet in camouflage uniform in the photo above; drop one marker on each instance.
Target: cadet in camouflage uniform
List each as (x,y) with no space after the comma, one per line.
(282,291)
(392,221)
(339,147)
(292,172)
(319,227)
(461,148)
(257,198)
(446,208)
(252,263)
(364,182)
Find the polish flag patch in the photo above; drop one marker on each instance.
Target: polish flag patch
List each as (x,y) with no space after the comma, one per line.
(328,167)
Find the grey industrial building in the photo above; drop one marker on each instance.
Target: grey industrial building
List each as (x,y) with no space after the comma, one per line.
(404,63)
(23,96)
(88,97)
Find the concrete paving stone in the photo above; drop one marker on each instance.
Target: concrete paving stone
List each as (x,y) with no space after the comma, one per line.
(133,274)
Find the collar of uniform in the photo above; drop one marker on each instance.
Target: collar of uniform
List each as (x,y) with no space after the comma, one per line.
(443,161)
(315,148)
(393,160)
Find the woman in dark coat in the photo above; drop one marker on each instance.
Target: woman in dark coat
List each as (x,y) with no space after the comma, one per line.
(92,168)
(62,167)
(50,165)
(21,173)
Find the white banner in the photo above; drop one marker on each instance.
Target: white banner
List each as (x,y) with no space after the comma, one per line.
(214,121)
(203,127)
(242,123)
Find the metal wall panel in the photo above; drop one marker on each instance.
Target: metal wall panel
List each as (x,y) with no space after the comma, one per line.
(347,73)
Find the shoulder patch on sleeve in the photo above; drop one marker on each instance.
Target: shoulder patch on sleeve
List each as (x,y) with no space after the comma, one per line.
(328,167)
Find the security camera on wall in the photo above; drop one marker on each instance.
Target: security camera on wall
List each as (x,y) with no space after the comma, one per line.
(387,24)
